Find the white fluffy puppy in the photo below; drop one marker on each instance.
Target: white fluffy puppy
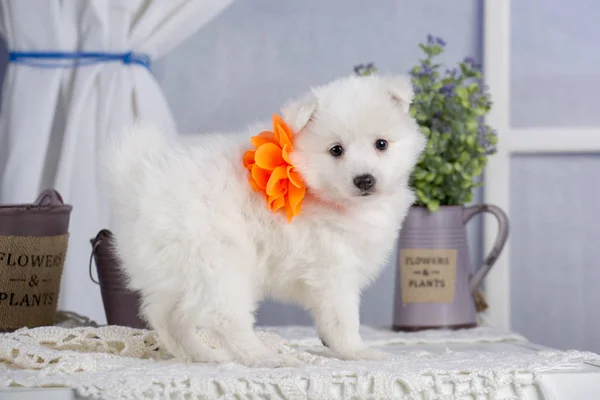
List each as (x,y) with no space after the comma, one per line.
(204,249)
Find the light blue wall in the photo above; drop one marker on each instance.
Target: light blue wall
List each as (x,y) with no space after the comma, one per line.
(259,53)
(555,62)
(555,256)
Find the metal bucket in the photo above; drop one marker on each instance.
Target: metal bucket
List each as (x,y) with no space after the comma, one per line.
(121,305)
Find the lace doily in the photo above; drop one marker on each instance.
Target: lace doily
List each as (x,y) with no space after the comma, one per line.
(122,363)
(307,336)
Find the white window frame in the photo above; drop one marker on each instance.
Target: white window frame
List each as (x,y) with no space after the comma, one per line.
(512,141)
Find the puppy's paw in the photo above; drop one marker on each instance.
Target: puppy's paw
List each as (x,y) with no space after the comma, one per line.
(218,356)
(269,361)
(364,354)
(289,360)
(212,356)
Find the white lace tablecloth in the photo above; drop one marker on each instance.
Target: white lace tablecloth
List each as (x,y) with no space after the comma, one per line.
(121,363)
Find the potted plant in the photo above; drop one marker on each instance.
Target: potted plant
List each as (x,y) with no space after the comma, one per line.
(434,285)
(34,240)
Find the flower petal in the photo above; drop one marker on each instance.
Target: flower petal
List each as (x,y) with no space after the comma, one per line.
(289,212)
(285,153)
(295,197)
(268,156)
(260,176)
(276,202)
(283,133)
(253,184)
(274,186)
(294,177)
(248,158)
(263,138)
(268,135)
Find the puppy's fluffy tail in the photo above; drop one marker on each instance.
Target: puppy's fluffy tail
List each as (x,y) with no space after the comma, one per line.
(128,159)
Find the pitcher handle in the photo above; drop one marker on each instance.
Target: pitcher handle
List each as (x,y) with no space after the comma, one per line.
(503,228)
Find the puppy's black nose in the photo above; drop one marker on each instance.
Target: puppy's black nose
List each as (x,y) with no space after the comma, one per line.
(364,182)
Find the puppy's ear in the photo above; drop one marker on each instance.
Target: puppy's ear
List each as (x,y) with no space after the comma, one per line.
(298,113)
(401,90)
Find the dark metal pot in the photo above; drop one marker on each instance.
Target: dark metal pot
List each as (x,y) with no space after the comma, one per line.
(121,305)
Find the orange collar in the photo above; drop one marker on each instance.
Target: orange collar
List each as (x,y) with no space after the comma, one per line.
(272,172)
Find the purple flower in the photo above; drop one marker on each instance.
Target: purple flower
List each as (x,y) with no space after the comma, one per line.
(452,72)
(440,41)
(490,150)
(429,39)
(448,90)
(482,86)
(484,131)
(425,70)
(472,63)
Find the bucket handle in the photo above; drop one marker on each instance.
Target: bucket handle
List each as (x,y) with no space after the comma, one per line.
(49,197)
(95,243)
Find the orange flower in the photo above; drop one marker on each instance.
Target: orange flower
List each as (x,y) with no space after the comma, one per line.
(271,171)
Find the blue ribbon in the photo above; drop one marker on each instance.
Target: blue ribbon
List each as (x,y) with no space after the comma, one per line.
(60,59)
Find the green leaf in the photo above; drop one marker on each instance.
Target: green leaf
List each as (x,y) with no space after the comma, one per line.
(480,111)
(472,125)
(419,174)
(469,198)
(462,93)
(464,157)
(446,168)
(421,116)
(435,50)
(433,205)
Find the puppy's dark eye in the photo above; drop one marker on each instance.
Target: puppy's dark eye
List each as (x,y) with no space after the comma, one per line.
(336,150)
(381,144)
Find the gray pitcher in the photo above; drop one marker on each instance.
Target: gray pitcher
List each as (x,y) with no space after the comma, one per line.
(434,285)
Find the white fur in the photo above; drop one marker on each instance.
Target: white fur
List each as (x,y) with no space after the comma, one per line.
(204,250)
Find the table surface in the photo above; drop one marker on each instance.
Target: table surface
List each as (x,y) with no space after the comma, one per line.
(581,384)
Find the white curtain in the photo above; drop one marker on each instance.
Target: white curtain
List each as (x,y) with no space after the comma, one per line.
(54,120)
